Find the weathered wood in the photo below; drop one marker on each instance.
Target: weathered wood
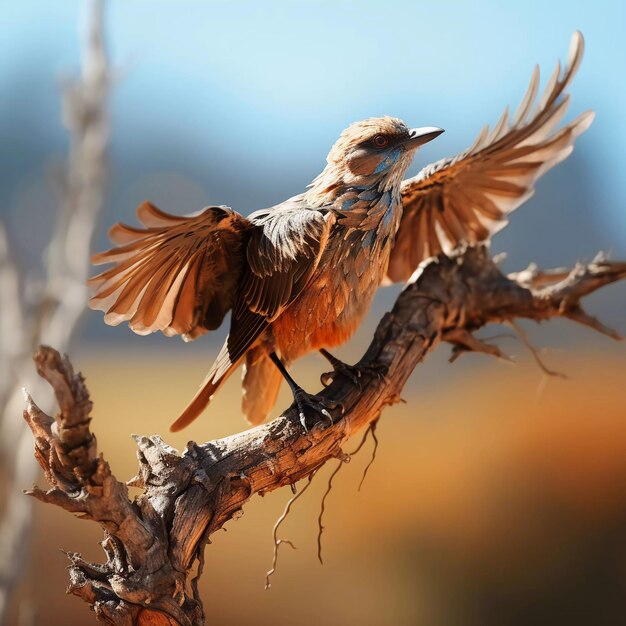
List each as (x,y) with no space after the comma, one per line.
(47,304)
(152,543)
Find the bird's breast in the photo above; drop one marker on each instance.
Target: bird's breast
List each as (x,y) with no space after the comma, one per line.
(331,307)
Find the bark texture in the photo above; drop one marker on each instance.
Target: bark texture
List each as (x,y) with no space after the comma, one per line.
(152,543)
(46,305)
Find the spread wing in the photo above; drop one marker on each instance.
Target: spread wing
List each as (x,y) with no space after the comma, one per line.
(468,197)
(282,253)
(179,275)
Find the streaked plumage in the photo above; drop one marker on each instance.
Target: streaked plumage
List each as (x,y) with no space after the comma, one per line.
(301,275)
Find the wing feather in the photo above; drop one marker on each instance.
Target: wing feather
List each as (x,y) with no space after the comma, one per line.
(178,274)
(468,197)
(282,253)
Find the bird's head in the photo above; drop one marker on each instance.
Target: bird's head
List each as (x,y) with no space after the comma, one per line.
(373,152)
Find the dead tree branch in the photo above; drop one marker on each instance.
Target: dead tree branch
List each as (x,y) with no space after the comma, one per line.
(152,543)
(53,317)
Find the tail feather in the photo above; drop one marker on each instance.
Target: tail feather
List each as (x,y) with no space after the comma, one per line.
(217,376)
(245,330)
(261,383)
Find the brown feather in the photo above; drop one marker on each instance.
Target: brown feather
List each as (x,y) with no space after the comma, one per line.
(261,384)
(179,275)
(490,179)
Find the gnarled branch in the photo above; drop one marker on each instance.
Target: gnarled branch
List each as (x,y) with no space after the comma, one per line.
(59,301)
(151,544)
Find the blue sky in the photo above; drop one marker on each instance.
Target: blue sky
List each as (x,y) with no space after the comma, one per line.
(239,102)
(265,87)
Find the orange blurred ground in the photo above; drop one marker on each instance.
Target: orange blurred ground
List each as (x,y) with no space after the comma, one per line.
(496,498)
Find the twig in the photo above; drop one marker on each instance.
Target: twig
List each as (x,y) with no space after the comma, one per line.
(464,341)
(279,521)
(521,333)
(55,316)
(323,508)
(576,314)
(371,429)
(342,460)
(361,443)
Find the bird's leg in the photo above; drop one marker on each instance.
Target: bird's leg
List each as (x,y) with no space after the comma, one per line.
(301,397)
(354,373)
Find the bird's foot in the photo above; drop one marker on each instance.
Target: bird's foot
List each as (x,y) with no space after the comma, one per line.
(339,367)
(304,400)
(354,373)
(377,370)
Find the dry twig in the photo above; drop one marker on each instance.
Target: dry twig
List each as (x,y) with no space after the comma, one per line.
(320,517)
(278,542)
(54,317)
(371,429)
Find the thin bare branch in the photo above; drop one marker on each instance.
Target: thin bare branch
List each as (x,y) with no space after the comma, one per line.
(577,314)
(523,335)
(54,317)
(320,517)
(464,341)
(278,542)
(371,429)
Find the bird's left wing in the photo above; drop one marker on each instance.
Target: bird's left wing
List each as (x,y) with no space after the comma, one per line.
(467,198)
(178,275)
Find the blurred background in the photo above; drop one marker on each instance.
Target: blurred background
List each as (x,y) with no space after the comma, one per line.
(498,495)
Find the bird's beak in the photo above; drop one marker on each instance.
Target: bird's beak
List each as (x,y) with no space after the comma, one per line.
(419,136)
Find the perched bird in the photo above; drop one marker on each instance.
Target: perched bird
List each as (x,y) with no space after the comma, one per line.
(300,276)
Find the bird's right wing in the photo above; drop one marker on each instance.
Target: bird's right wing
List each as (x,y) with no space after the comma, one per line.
(466,198)
(282,253)
(178,275)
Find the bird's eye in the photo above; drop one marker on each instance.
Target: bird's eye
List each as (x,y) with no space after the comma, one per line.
(380,141)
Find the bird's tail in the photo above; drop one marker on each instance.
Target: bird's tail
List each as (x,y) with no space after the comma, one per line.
(217,376)
(261,383)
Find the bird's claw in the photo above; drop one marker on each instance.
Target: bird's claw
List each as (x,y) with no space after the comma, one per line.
(355,373)
(341,368)
(303,400)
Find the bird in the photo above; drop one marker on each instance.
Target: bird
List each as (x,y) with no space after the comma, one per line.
(300,276)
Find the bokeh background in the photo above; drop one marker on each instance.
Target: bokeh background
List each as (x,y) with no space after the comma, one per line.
(498,496)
